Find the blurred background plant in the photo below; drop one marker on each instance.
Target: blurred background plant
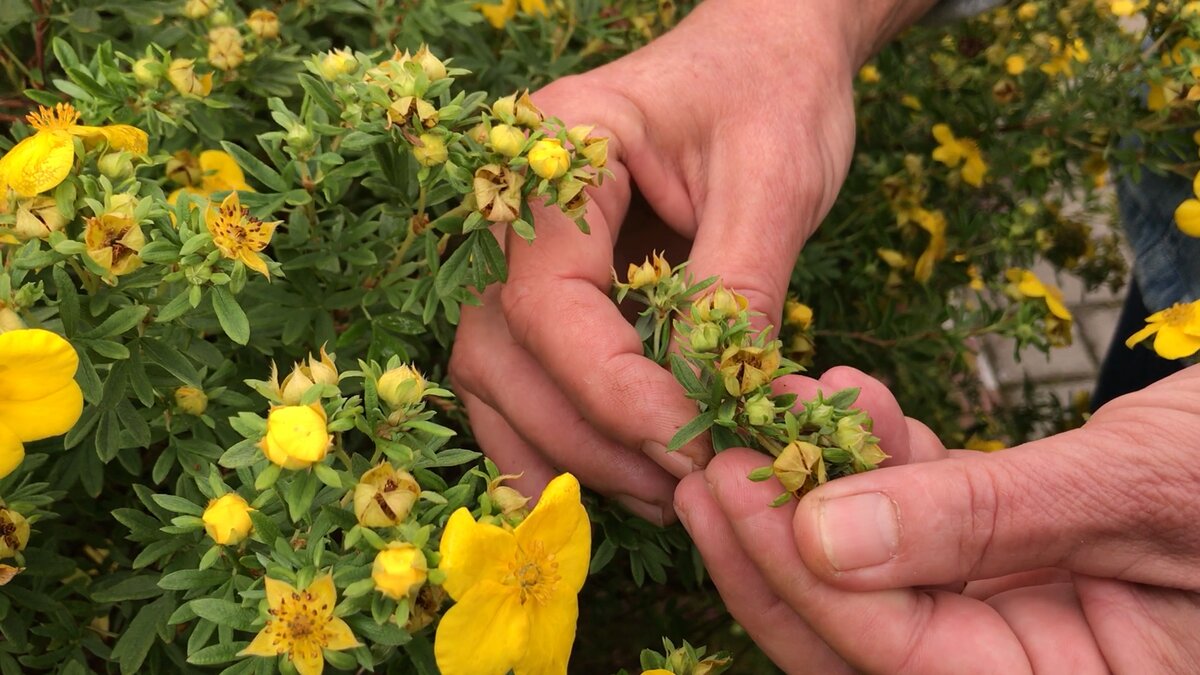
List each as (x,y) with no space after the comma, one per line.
(314,191)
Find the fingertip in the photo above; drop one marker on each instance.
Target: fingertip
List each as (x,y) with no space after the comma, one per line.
(923,444)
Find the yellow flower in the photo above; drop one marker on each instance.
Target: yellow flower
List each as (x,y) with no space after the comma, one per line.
(38,394)
(398,570)
(1162,94)
(264,24)
(191,400)
(1026,284)
(497,192)
(384,497)
(297,436)
(1027,11)
(524,581)
(42,161)
(746,368)
(798,314)
(198,9)
(911,102)
(431,152)
(1015,64)
(337,63)
(1187,214)
(981,444)
(506,139)
(499,13)
(214,171)
(1176,331)
(953,151)
(933,222)
(225,48)
(14,533)
(549,159)
(649,273)
(401,386)
(36,218)
(113,241)
(720,305)
(869,74)
(1064,55)
(301,625)
(227,519)
(1127,7)
(240,236)
(182,75)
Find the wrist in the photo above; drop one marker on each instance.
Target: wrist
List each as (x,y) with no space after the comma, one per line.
(870,24)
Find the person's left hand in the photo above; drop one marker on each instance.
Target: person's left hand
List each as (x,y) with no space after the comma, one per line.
(1080,550)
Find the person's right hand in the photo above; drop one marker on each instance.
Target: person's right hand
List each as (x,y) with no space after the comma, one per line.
(737,128)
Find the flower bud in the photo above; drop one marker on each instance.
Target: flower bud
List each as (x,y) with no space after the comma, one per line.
(147,72)
(431,152)
(297,436)
(115,165)
(399,570)
(227,519)
(720,305)
(264,24)
(182,75)
(649,273)
(37,217)
(337,63)
(191,401)
(432,65)
(507,140)
(507,499)
(595,151)
(760,411)
(300,138)
(220,18)
(850,435)
(519,109)
(384,497)
(549,159)
(798,314)
(704,337)
(746,368)
(800,467)
(401,387)
(198,9)
(225,48)
(14,533)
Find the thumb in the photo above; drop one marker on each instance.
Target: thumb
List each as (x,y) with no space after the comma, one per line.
(1078,501)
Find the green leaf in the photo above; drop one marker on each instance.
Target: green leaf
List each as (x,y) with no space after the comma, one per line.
(224,613)
(170,360)
(137,587)
(218,653)
(178,505)
(255,167)
(691,430)
(186,580)
(685,375)
(265,528)
(135,643)
(320,95)
(844,398)
(230,314)
(452,273)
(118,322)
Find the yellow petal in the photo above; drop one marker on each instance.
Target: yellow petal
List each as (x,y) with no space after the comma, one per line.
(118,137)
(943,134)
(255,262)
(1187,217)
(263,644)
(34,363)
(486,633)
(339,636)
(39,163)
(560,523)
(553,625)
(221,172)
(50,415)
(324,593)
(499,13)
(1172,343)
(1142,334)
(473,552)
(11,451)
(533,6)
(974,171)
(1196,178)
(276,591)
(308,660)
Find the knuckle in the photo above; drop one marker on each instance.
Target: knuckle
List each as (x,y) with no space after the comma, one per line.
(518,301)
(978,533)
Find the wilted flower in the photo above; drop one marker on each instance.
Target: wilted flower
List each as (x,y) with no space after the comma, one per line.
(225,48)
(302,625)
(263,23)
(745,368)
(649,273)
(399,570)
(497,191)
(549,159)
(227,519)
(14,533)
(431,151)
(519,109)
(198,9)
(36,218)
(720,305)
(182,75)
(240,236)
(113,242)
(297,436)
(384,497)
(508,500)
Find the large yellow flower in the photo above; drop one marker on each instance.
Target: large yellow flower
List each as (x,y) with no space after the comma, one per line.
(38,394)
(498,13)
(42,161)
(214,171)
(953,151)
(302,624)
(516,590)
(1176,331)
(240,236)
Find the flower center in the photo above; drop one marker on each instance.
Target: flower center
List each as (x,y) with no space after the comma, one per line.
(61,117)
(1179,314)
(300,623)
(536,573)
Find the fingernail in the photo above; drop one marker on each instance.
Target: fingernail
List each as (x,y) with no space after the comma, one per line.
(642,509)
(859,531)
(675,462)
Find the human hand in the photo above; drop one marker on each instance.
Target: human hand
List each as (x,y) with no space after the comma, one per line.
(1079,550)
(738,138)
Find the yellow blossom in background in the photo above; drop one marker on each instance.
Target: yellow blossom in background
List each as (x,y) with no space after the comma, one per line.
(240,236)
(1127,7)
(1096,167)
(264,24)
(225,48)
(516,589)
(981,444)
(657,671)
(227,519)
(302,625)
(1026,284)
(1027,11)
(1064,56)
(976,279)
(41,161)
(911,102)
(1162,93)
(1187,214)
(1015,64)
(869,74)
(182,75)
(399,570)
(198,9)
(1176,331)
(39,397)
(499,13)
(797,314)
(14,533)
(113,241)
(953,151)
(213,171)
(934,223)
(297,436)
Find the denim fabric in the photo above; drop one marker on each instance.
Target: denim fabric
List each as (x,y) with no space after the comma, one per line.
(1167,261)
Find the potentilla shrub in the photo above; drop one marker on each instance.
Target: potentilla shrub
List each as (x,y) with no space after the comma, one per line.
(236,239)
